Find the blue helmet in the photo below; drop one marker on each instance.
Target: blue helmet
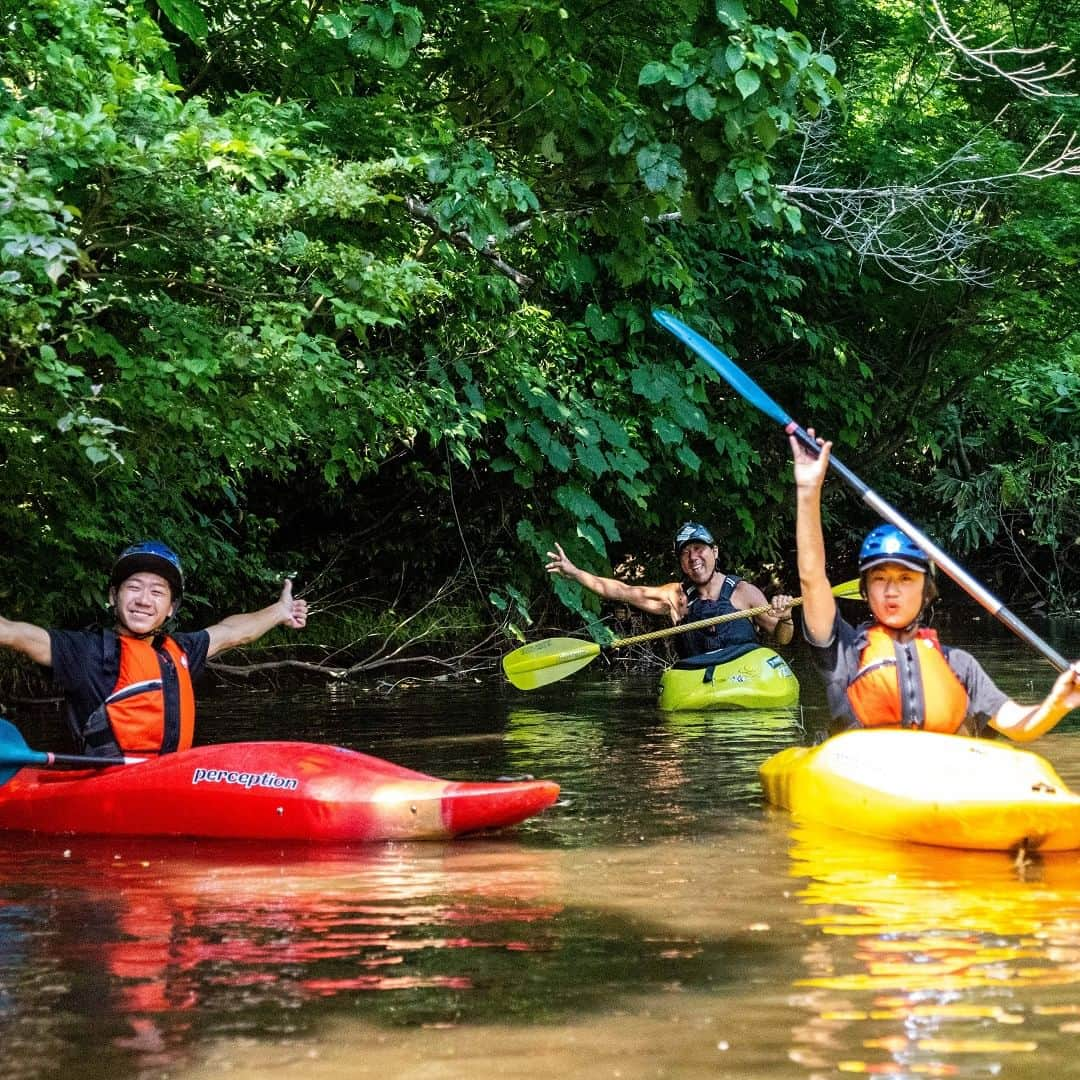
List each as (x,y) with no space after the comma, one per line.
(888,544)
(692,531)
(149,556)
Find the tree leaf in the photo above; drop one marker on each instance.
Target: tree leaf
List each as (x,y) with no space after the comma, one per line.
(747,81)
(700,102)
(187,17)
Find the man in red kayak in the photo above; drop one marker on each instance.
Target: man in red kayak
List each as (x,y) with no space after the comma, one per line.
(892,671)
(129,690)
(703,593)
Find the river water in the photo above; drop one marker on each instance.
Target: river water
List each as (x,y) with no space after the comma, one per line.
(659,921)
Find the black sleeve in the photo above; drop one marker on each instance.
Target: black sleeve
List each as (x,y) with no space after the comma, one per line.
(195,645)
(85,668)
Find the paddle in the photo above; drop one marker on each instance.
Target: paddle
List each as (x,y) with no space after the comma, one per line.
(15,755)
(548,661)
(745,386)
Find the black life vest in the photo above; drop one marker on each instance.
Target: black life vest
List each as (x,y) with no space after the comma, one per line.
(712,638)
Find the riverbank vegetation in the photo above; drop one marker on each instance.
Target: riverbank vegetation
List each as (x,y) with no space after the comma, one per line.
(361,292)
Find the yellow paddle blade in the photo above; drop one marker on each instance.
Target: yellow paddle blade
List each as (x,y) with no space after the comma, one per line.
(848,591)
(548,661)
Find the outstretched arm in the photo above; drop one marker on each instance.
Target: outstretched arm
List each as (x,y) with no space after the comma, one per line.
(240,629)
(1023,723)
(27,638)
(669,600)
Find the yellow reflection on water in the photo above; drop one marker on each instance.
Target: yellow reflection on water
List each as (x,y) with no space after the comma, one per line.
(937,918)
(932,952)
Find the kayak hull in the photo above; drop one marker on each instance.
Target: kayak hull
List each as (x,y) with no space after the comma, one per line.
(945,790)
(265,791)
(759,679)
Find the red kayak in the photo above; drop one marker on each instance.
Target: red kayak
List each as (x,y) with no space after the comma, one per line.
(264,791)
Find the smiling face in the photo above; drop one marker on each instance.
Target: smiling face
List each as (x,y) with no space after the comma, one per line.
(143,602)
(895,594)
(698,561)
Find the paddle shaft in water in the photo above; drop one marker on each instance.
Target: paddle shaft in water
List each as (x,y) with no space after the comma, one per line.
(748,389)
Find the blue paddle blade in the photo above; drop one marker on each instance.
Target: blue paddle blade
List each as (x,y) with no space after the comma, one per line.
(14,753)
(724,366)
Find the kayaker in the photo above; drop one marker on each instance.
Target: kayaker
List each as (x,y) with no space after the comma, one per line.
(703,593)
(129,690)
(892,671)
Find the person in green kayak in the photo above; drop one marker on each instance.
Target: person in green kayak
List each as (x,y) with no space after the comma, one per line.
(129,690)
(892,671)
(703,593)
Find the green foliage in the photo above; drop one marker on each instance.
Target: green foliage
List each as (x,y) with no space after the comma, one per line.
(1026,505)
(365,291)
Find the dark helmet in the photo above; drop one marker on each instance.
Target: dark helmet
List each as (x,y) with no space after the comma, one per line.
(149,556)
(888,544)
(692,531)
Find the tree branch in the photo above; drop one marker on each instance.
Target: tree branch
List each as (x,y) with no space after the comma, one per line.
(424,213)
(389,652)
(993,59)
(918,232)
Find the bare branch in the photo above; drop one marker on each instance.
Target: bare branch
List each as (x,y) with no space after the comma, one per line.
(391,651)
(997,60)
(918,232)
(461,240)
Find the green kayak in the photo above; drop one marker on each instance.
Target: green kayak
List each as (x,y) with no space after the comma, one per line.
(742,677)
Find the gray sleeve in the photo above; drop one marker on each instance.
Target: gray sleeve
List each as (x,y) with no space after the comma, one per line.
(985,699)
(837,661)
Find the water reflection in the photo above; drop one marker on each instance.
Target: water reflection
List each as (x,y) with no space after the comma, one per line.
(148,950)
(145,940)
(931,961)
(628,776)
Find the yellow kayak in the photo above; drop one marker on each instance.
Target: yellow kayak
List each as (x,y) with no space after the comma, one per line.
(754,677)
(946,790)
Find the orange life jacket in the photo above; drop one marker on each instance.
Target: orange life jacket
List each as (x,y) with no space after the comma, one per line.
(152,707)
(907,686)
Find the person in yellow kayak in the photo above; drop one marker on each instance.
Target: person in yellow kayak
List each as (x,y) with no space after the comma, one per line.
(129,690)
(703,593)
(892,671)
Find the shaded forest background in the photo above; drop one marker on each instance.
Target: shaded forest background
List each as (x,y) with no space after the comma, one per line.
(361,292)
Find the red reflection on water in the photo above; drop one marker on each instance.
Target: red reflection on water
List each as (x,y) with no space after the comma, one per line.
(176,926)
(382,982)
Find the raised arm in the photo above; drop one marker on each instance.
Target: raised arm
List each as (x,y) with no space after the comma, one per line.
(669,599)
(1023,723)
(819,604)
(241,629)
(27,638)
